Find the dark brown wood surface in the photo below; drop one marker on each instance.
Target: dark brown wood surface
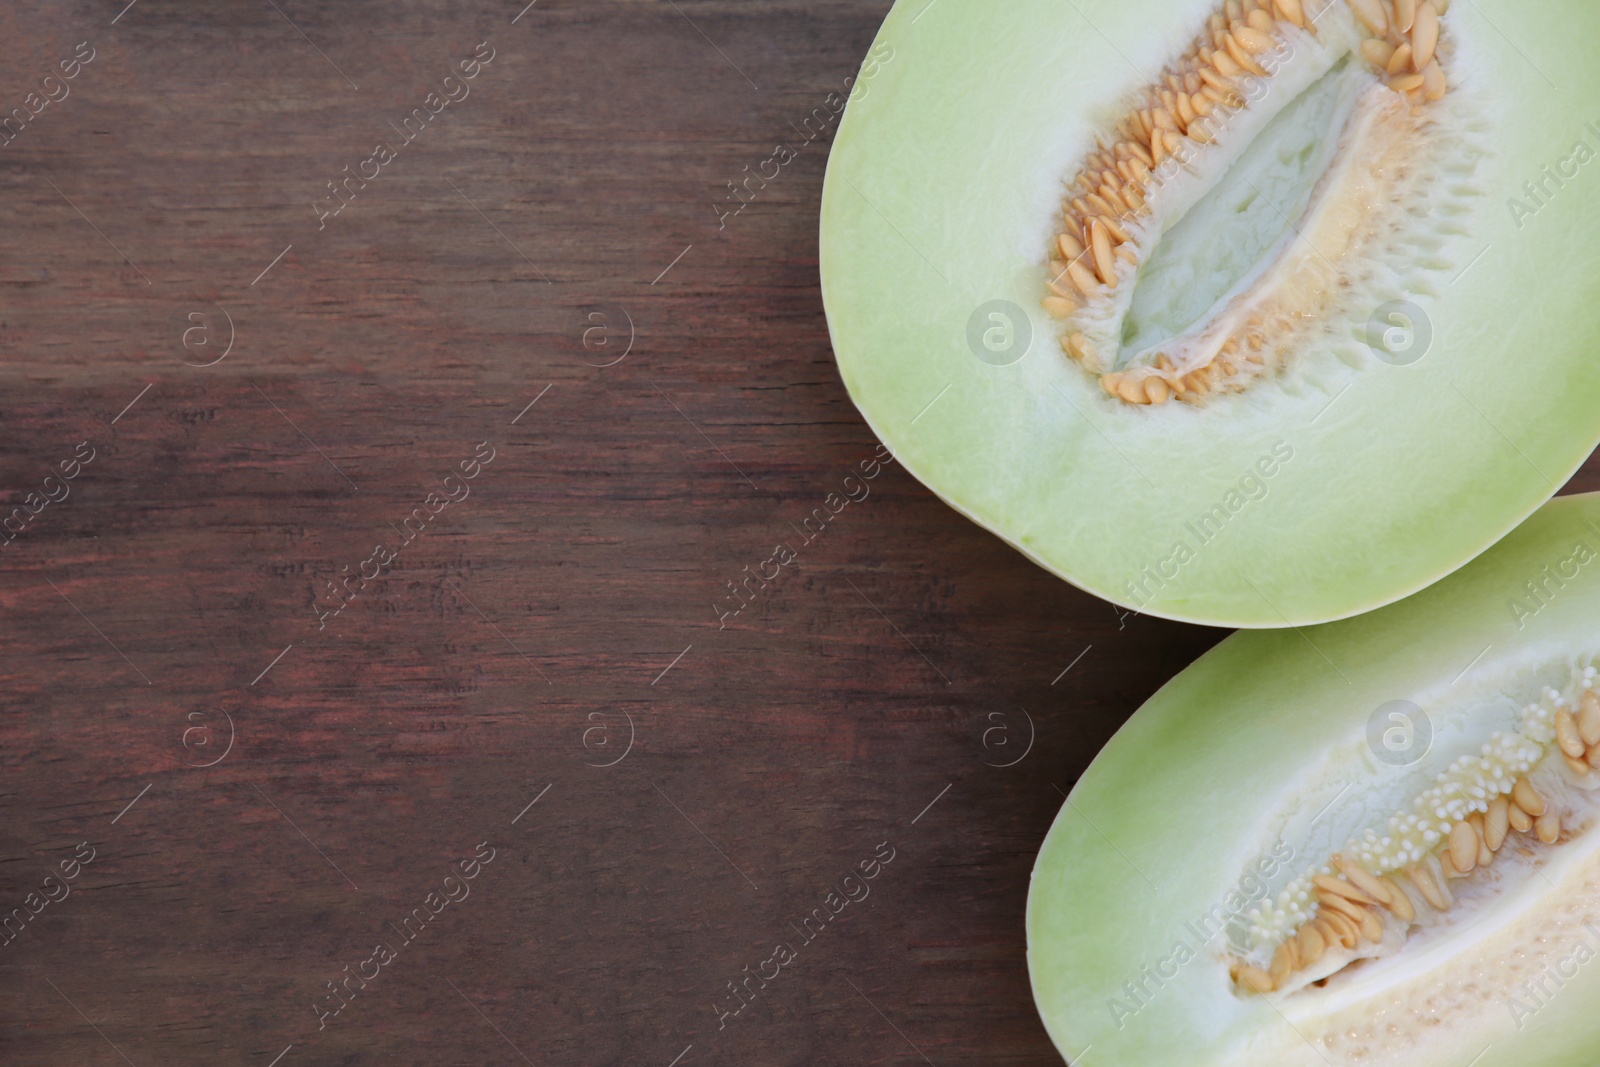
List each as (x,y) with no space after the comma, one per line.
(267,797)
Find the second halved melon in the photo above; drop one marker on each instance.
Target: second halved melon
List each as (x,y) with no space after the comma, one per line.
(1374,843)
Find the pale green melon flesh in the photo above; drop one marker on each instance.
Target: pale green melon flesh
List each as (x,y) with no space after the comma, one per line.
(942,189)
(1263,743)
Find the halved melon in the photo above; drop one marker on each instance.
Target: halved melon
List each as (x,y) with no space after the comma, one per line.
(1249,313)
(1371,842)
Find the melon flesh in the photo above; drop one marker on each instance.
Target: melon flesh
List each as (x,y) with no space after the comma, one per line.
(1339,482)
(1266,756)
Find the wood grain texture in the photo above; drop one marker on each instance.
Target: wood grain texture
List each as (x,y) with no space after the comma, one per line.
(503,654)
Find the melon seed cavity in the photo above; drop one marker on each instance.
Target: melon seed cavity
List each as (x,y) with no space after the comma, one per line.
(1373,71)
(1400,879)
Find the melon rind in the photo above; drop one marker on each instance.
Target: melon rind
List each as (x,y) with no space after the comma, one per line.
(941,191)
(1196,784)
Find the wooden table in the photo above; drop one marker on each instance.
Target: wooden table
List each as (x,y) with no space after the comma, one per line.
(536,673)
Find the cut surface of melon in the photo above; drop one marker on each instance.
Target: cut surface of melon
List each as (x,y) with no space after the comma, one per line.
(1376,841)
(1326,343)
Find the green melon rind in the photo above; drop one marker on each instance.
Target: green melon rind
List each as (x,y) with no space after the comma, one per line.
(1155,830)
(943,177)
